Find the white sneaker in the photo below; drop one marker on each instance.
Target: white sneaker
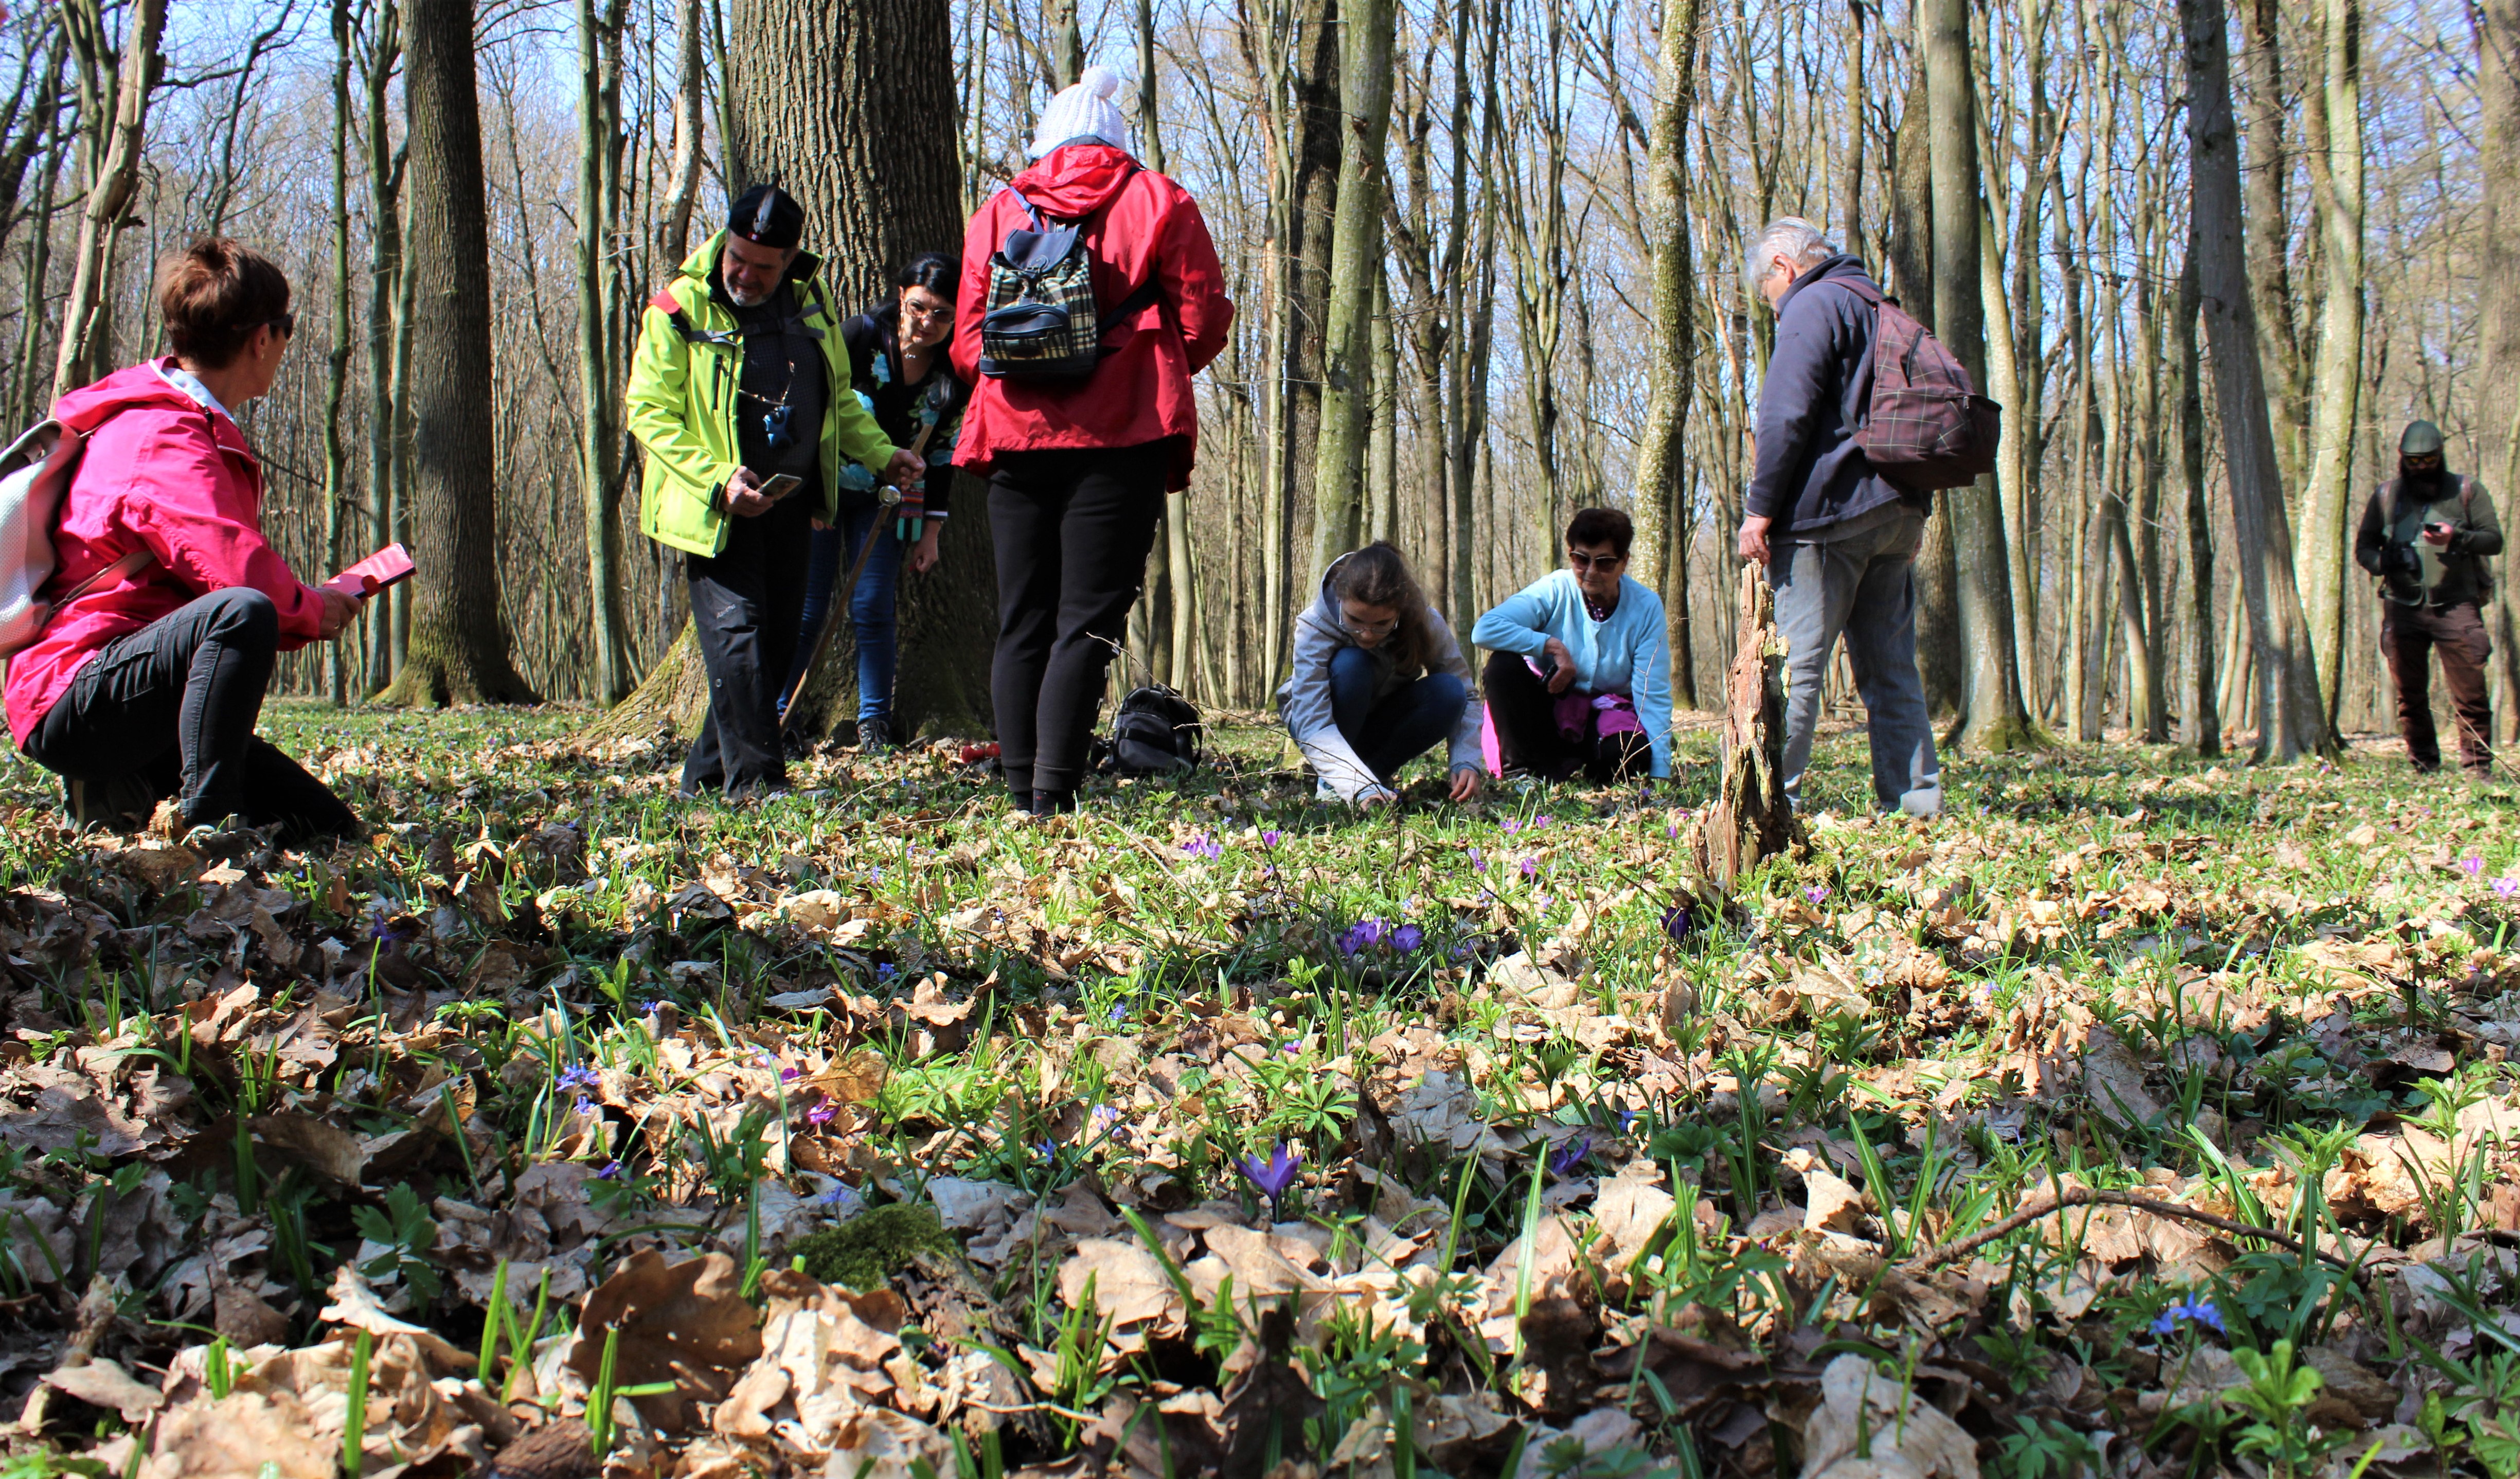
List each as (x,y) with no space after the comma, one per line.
(1925,801)
(1322,790)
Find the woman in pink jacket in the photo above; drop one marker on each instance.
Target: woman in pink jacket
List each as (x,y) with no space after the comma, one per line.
(147,683)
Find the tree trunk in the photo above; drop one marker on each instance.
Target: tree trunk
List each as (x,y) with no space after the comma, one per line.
(1750,819)
(1911,281)
(690,114)
(459,652)
(1992,718)
(600,376)
(336,360)
(2498,242)
(2204,700)
(384,274)
(2011,463)
(117,145)
(2336,174)
(2267,213)
(1660,501)
(2292,724)
(1356,266)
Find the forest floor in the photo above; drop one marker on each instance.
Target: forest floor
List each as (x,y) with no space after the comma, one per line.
(1216,1130)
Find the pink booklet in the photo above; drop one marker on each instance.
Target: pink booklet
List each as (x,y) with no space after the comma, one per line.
(387,566)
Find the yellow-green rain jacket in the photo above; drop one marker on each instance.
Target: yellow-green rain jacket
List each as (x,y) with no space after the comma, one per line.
(683,403)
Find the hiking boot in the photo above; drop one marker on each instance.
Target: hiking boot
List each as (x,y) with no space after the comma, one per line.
(119,803)
(875,734)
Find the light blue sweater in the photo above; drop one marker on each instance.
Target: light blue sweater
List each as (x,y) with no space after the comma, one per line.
(1624,654)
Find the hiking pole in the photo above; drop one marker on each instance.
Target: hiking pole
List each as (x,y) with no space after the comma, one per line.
(887,498)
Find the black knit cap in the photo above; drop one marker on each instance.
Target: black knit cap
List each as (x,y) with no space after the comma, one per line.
(767,217)
(2423,439)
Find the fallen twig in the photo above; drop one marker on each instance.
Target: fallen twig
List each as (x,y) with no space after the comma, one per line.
(2087,1197)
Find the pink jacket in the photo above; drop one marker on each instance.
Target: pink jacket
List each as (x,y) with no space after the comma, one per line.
(163,472)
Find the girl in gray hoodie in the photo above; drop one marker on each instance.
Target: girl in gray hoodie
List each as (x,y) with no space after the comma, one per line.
(1378,679)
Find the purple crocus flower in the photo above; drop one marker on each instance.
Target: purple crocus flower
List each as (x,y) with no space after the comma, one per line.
(1201,845)
(1512,825)
(612,1171)
(1564,1160)
(1478,859)
(823,1113)
(1531,868)
(1816,892)
(2472,865)
(2507,886)
(1268,838)
(1679,921)
(1406,938)
(2189,1312)
(1539,821)
(1274,1174)
(1360,937)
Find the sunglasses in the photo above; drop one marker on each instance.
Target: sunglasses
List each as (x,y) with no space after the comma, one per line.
(1584,561)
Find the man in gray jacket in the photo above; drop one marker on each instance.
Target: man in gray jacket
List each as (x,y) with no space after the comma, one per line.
(2426,535)
(1840,541)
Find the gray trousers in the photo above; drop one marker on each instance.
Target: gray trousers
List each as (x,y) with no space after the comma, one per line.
(1858,582)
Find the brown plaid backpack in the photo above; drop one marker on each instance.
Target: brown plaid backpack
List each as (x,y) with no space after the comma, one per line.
(1925,427)
(1042,323)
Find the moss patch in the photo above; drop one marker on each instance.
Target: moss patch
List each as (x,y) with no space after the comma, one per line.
(866,1251)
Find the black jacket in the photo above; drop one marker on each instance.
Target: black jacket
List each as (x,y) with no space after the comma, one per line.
(874,372)
(2463,576)
(1810,473)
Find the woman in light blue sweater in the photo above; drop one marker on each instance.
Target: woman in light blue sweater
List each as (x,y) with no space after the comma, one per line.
(1581,676)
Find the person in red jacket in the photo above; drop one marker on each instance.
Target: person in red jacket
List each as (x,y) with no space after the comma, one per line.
(147,679)
(1078,469)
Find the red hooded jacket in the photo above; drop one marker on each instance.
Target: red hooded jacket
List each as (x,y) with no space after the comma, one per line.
(1140,226)
(159,471)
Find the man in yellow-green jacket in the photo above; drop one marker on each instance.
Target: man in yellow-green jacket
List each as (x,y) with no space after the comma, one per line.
(739,393)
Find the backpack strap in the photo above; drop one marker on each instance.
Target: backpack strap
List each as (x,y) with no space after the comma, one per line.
(664,302)
(132,563)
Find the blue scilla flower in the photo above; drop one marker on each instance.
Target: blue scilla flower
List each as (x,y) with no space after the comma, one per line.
(2189,1312)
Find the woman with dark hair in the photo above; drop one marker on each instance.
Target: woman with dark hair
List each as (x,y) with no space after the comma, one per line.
(169,603)
(1580,679)
(898,366)
(1378,679)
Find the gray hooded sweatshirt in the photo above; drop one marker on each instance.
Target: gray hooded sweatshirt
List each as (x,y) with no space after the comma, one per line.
(1305,699)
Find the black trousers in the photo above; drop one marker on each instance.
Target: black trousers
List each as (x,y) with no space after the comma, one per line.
(169,711)
(1525,715)
(1073,527)
(2409,637)
(747,606)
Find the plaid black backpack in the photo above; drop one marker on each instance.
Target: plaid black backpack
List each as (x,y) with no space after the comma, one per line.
(1926,427)
(1042,323)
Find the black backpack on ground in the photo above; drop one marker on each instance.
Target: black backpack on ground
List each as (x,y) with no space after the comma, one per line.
(1156,733)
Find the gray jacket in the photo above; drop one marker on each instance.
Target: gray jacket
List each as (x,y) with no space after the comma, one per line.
(1305,699)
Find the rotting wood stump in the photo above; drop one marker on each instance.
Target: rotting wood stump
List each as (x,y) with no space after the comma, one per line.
(1751,819)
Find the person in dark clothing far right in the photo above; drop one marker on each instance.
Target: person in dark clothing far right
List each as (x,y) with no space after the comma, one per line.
(2426,535)
(1838,539)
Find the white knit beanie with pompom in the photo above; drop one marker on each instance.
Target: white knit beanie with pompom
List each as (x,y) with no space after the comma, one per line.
(1083,112)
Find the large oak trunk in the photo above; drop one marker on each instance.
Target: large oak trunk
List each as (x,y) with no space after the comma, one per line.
(459,649)
(2498,153)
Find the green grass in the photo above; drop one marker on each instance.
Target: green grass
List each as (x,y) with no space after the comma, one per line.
(586,969)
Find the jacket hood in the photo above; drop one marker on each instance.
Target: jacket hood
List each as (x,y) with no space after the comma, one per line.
(1076,180)
(1839,268)
(1325,609)
(90,406)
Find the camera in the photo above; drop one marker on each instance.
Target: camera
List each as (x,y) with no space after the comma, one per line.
(2401,562)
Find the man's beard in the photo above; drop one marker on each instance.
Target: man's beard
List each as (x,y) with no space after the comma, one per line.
(745,300)
(2428,476)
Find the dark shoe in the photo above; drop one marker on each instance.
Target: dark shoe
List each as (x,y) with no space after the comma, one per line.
(875,734)
(119,803)
(1054,803)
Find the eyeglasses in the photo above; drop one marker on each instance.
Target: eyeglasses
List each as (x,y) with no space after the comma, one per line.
(2423,463)
(940,311)
(1357,628)
(1584,561)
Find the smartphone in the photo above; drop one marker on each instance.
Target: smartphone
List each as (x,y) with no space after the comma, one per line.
(388,566)
(2439,526)
(778,487)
